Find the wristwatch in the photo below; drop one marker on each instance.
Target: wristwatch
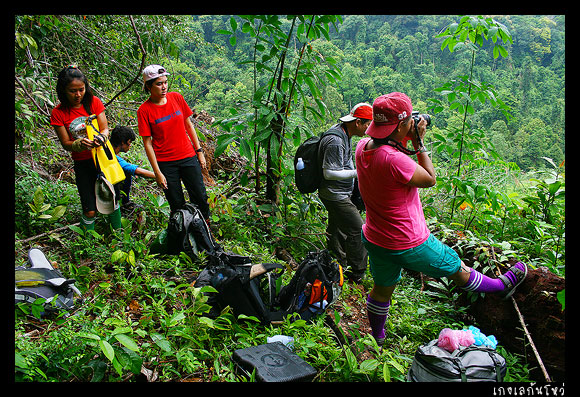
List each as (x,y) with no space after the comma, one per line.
(200,150)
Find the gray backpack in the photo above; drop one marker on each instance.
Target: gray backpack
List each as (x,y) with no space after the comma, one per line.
(41,280)
(466,364)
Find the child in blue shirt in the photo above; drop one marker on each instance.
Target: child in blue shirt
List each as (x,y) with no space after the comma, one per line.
(121,139)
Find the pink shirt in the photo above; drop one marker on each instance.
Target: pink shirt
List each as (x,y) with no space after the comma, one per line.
(394,214)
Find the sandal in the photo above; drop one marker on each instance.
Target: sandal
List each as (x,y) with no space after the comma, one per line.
(519,271)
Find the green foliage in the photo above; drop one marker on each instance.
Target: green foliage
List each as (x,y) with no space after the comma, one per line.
(282,79)
(271,81)
(38,208)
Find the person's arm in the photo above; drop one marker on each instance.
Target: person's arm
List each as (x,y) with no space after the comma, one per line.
(144,173)
(103,124)
(159,177)
(133,169)
(72,145)
(333,153)
(103,133)
(424,175)
(338,175)
(195,141)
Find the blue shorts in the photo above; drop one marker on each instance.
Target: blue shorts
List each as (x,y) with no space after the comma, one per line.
(432,258)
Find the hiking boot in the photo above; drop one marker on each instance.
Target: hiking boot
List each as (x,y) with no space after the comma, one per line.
(355,277)
(512,278)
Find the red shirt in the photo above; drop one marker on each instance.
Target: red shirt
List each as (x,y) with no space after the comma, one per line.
(166,125)
(64,116)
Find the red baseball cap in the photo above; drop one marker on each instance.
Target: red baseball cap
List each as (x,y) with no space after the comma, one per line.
(359,111)
(388,111)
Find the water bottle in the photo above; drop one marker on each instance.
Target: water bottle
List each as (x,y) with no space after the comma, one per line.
(288,341)
(300,164)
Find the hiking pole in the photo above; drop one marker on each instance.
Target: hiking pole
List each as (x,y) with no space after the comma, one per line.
(538,358)
(526,332)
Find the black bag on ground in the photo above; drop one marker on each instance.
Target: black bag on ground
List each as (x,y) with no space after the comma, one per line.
(255,290)
(188,232)
(42,280)
(316,284)
(466,364)
(240,285)
(273,362)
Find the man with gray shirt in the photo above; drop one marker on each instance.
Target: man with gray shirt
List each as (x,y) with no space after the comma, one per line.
(344,220)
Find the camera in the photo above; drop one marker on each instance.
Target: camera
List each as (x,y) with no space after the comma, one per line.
(417,117)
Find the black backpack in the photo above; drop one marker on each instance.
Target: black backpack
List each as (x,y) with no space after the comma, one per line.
(41,280)
(466,364)
(316,284)
(308,179)
(188,232)
(255,290)
(240,284)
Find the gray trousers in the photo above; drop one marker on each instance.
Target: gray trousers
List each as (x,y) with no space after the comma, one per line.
(344,234)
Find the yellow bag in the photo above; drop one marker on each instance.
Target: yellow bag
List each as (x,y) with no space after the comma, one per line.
(104,155)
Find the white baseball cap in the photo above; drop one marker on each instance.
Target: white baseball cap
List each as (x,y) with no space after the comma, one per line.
(105,195)
(153,71)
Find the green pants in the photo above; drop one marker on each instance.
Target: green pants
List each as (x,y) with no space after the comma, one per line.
(344,234)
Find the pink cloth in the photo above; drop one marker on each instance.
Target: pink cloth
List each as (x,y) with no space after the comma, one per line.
(450,339)
(394,214)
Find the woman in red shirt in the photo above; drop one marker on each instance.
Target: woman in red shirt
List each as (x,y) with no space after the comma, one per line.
(171,143)
(77,100)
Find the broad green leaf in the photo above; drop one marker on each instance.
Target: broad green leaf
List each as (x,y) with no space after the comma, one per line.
(128,342)
(107,349)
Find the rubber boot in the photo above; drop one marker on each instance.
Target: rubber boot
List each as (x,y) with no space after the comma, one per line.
(115,218)
(87,223)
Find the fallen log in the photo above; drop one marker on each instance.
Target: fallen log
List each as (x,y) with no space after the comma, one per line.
(544,319)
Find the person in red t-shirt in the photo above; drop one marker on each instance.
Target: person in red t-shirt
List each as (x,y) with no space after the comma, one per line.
(77,100)
(171,143)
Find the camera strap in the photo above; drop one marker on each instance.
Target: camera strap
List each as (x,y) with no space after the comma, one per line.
(396,145)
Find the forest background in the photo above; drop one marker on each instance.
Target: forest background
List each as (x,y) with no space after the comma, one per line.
(499,149)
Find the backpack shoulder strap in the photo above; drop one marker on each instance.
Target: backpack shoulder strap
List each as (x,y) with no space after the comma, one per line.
(335,132)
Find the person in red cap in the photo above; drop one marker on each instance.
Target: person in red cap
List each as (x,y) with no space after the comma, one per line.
(395,233)
(344,220)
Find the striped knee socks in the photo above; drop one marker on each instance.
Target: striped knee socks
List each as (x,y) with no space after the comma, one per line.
(480,283)
(377,313)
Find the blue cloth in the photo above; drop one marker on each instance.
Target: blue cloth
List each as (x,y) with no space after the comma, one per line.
(127,167)
(481,339)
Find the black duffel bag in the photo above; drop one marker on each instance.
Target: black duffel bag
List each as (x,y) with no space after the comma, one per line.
(466,364)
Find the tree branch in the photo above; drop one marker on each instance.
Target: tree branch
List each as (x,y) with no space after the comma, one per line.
(31,98)
(140,68)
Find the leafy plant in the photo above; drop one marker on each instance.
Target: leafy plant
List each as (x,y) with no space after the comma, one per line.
(462,92)
(38,208)
(290,74)
(121,357)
